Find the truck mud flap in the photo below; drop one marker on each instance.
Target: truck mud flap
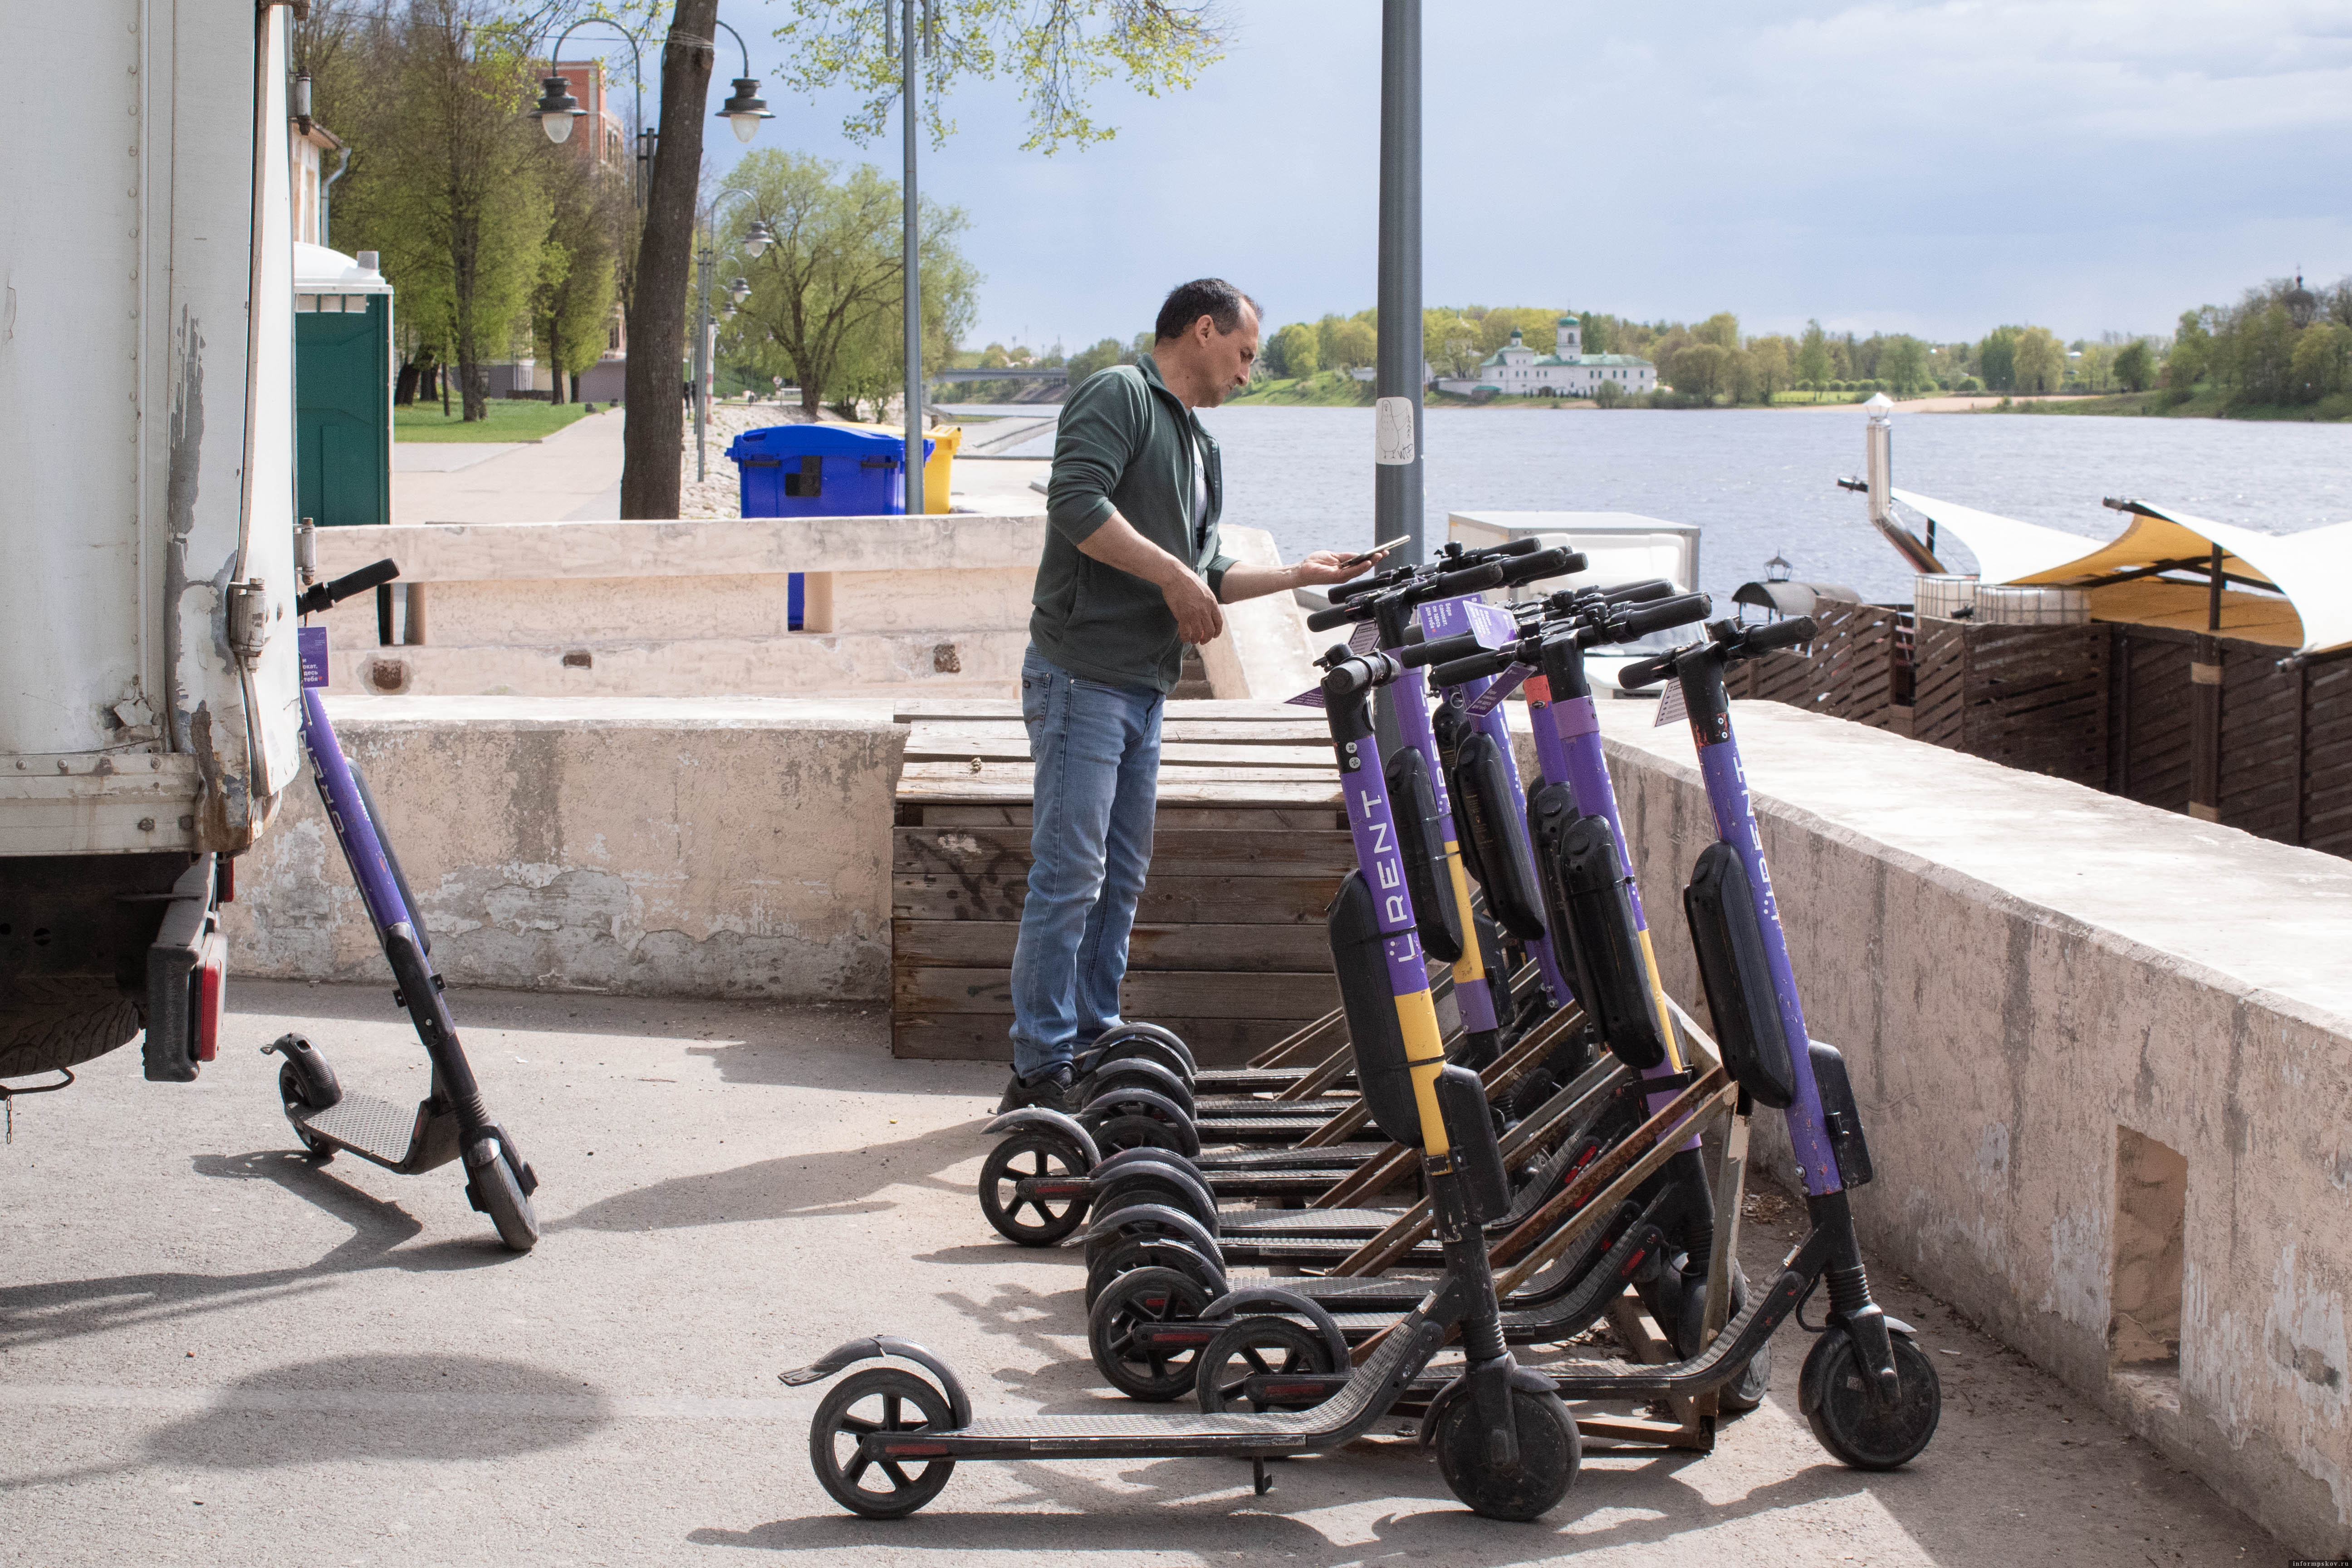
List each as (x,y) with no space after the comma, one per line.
(1729,942)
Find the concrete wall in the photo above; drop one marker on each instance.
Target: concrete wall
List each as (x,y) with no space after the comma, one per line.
(894,605)
(2028,976)
(663,848)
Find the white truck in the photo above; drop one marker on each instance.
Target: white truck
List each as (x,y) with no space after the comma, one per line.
(150,711)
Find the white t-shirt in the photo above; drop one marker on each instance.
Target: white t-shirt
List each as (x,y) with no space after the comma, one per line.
(1199,492)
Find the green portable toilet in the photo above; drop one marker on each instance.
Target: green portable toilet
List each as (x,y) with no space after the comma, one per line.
(342,388)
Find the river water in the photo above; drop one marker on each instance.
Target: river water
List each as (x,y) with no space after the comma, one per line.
(1760,482)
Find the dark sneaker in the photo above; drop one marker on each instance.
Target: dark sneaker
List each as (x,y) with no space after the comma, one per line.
(1049,1090)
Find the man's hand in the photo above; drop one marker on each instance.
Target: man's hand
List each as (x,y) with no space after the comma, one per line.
(1330,566)
(1198,618)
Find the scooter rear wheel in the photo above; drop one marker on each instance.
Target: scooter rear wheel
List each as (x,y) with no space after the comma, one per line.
(1032,1221)
(1136,1299)
(289,1092)
(1845,1415)
(840,1425)
(491,1186)
(1550,1452)
(1258,1342)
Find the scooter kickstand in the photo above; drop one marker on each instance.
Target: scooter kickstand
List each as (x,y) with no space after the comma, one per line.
(1259,1478)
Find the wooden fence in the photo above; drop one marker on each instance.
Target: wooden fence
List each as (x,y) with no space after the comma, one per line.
(2206,725)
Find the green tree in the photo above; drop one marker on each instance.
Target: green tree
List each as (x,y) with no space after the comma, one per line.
(1722,330)
(1770,364)
(1102,356)
(1813,354)
(1450,343)
(590,216)
(1997,358)
(826,294)
(2039,362)
(1294,352)
(1353,342)
(2318,366)
(1902,361)
(2136,365)
(1703,371)
(2191,359)
(448,182)
(1059,53)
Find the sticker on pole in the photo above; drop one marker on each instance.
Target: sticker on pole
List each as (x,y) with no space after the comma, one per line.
(1392,444)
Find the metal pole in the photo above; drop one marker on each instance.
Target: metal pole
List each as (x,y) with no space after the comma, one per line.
(703,262)
(912,114)
(1396,450)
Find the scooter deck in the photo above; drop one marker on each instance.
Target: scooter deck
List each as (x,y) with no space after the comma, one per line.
(407,1139)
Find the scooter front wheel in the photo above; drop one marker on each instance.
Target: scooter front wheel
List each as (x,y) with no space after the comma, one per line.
(1845,1415)
(1258,1343)
(1550,1452)
(1030,1221)
(877,1399)
(492,1187)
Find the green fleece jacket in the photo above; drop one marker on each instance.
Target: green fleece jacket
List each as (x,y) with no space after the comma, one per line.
(1122,446)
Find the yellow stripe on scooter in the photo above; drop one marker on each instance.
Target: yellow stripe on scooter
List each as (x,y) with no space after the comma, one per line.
(1472,964)
(1425,1058)
(1658,1005)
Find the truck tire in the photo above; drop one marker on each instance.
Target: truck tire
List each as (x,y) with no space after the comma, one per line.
(51,1024)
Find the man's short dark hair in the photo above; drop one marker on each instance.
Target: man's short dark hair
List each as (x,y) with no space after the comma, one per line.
(1188,302)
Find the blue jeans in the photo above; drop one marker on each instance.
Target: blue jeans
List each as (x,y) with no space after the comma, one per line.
(1097,750)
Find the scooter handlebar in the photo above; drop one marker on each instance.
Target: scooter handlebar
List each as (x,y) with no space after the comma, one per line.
(1333,615)
(1656,617)
(1487,661)
(1444,649)
(320,595)
(1557,562)
(1638,593)
(1780,634)
(1645,672)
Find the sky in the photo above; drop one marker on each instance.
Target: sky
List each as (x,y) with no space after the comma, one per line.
(1935,168)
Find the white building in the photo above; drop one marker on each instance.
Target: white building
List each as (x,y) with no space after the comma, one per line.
(1515,370)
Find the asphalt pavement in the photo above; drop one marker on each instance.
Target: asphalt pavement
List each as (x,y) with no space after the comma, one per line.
(215,1350)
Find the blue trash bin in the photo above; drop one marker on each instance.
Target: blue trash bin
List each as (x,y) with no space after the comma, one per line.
(820,470)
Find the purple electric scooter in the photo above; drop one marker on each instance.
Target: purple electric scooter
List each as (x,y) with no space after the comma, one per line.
(452,1122)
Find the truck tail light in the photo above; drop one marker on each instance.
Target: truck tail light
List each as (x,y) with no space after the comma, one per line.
(211,998)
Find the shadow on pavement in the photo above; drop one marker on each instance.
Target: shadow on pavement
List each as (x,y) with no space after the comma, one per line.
(830,1182)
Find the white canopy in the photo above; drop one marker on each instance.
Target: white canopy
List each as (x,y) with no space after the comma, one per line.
(319,270)
(2312,569)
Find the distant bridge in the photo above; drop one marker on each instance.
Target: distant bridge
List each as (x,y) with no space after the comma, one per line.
(1009,373)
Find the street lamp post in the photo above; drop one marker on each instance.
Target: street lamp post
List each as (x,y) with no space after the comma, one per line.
(557,109)
(706,262)
(913,272)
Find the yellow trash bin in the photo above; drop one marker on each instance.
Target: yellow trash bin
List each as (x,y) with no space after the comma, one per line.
(940,467)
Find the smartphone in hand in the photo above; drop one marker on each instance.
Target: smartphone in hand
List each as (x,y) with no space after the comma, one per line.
(1377,550)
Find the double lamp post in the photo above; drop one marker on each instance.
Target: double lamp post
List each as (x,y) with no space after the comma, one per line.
(556,111)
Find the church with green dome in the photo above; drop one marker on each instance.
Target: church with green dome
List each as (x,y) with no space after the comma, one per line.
(1515,370)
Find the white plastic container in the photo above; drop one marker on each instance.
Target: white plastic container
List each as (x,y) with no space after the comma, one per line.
(1945,595)
(2003,604)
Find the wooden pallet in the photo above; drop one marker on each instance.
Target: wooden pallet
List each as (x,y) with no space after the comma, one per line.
(1228,948)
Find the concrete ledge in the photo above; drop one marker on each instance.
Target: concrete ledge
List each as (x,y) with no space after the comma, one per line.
(696,671)
(457,551)
(2025,975)
(653,847)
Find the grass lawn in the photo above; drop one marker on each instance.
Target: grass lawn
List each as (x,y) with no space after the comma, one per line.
(509,419)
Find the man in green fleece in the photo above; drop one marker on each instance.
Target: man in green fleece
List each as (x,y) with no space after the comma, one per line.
(1131,572)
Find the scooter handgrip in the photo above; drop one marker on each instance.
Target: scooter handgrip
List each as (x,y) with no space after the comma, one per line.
(1557,562)
(1508,547)
(1644,619)
(1347,677)
(1781,634)
(1645,672)
(1418,653)
(1469,580)
(320,595)
(1477,667)
(1638,593)
(1323,620)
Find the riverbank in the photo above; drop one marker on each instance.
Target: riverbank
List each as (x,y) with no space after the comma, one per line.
(2204,403)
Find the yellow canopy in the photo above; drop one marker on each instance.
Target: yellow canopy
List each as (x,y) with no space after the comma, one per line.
(2312,569)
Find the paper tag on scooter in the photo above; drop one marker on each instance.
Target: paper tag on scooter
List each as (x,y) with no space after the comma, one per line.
(1310,698)
(1670,705)
(1505,684)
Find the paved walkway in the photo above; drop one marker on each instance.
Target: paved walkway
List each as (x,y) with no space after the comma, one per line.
(573,476)
(217,1351)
